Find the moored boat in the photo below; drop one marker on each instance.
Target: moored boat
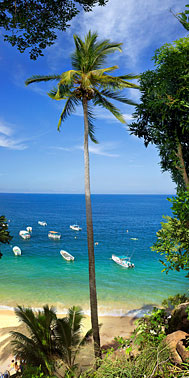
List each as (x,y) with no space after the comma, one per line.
(66,255)
(123,261)
(42,223)
(54,235)
(17,251)
(75,227)
(24,234)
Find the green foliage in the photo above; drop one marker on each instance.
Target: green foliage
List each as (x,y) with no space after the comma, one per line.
(34,24)
(173,238)
(35,372)
(162,116)
(149,363)
(183,17)
(175,300)
(5,237)
(49,339)
(150,329)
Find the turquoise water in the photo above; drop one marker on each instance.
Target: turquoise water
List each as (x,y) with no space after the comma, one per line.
(42,276)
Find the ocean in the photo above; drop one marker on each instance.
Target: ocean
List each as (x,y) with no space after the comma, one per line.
(42,276)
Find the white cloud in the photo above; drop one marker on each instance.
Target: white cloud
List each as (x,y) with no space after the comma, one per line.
(12,144)
(6,138)
(96,149)
(5,128)
(136,23)
(101,149)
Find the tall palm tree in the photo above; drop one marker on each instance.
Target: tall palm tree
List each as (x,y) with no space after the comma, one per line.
(89,83)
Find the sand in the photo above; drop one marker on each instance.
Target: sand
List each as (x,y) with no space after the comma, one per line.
(111,326)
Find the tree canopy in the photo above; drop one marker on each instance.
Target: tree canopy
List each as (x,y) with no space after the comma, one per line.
(173,238)
(162,116)
(35,23)
(4,233)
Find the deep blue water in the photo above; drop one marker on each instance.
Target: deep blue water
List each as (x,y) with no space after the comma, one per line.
(42,276)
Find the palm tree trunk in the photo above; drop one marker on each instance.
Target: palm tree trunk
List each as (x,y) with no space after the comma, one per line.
(92,280)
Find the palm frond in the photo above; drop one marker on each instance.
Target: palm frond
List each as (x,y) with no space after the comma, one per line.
(118,97)
(86,338)
(102,71)
(67,77)
(38,78)
(69,108)
(89,54)
(60,93)
(91,125)
(115,82)
(104,103)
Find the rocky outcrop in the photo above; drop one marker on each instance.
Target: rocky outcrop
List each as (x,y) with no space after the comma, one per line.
(175,342)
(179,319)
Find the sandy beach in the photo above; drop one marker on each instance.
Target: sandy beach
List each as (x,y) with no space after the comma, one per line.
(111,326)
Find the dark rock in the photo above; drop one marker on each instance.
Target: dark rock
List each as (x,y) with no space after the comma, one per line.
(179,319)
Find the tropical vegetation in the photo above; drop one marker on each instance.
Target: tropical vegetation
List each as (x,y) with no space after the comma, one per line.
(173,238)
(48,342)
(5,237)
(90,83)
(35,24)
(162,116)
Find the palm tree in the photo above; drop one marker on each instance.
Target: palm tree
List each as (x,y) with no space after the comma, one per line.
(89,83)
(49,338)
(67,332)
(38,348)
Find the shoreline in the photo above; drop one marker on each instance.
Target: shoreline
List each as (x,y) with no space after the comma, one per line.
(136,312)
(110,327)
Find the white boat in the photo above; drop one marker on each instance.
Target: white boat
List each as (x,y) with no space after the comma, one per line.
(24,234)
(134,238)
(54,235)
(75,227)
(42,223)
(124,261)
(29,229)
(67,256)
(17,251)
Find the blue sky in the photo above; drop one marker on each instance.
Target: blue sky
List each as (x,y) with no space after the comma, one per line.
(35,157)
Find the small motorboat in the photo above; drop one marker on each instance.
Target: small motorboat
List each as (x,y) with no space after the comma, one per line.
(17,251)
(54,235)
(24,234)
(29,229)
(67,256)
(134,238)
(42,223)
(75,227)
(123,261)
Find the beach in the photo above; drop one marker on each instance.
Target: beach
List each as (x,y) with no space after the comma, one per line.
(111,326)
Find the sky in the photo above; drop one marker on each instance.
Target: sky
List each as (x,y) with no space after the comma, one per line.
(35,157)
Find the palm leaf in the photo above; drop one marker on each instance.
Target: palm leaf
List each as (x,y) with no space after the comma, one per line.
(69,108)
(60,93)
(118,97)
(91,125)
(104,103)
(38,78)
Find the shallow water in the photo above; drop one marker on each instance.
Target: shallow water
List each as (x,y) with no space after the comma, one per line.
(42,276)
